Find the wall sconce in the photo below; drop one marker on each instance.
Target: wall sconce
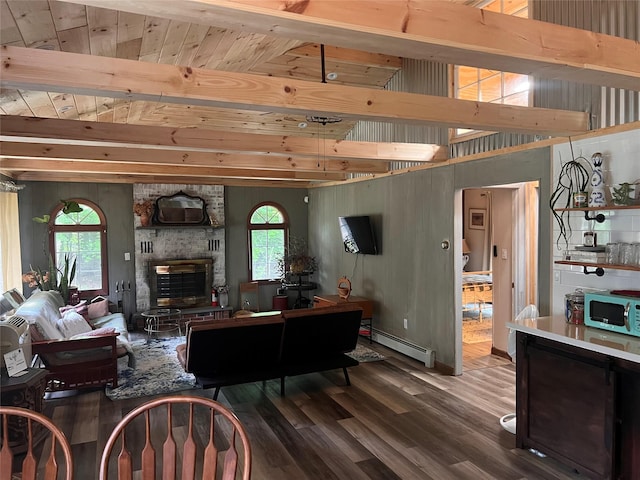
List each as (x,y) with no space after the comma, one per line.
(465,253)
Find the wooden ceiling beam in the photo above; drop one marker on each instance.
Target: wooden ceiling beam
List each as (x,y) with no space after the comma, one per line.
(33,69)
(97,167)
(89,177)
(347,55)
(75,132)
(421,29)
(158,156)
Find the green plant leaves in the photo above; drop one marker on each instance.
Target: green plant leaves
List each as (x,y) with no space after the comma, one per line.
(42,219)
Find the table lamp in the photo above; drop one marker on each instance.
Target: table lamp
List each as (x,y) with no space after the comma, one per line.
(465,253)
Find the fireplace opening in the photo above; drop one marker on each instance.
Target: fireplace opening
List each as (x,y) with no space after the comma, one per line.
(181,283)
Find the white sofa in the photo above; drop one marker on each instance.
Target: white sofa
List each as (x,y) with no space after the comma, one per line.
(90,355)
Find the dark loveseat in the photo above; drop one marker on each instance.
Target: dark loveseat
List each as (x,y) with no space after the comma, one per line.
(271,345)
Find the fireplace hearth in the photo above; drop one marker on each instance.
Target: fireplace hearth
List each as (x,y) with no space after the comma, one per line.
(181,283)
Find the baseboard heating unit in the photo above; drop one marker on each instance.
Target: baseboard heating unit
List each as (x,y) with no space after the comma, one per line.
(409,349)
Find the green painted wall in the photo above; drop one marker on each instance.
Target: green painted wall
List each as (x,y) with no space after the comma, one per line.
(413,213)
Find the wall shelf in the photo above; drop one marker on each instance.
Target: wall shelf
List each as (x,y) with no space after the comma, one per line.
(592,209)
(599,217)
(600,266)
(180,227)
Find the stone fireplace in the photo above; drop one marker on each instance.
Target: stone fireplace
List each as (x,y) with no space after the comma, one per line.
(159,244)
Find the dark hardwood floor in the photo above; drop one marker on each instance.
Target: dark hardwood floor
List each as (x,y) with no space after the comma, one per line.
(398,420)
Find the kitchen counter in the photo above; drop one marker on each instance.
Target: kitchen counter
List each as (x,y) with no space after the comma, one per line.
(593,339)
(577,391)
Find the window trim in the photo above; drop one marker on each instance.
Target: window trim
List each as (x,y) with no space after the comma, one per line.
(265,226)
(102,228)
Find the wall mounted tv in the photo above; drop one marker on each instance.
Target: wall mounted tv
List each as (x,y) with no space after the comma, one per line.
(357,235)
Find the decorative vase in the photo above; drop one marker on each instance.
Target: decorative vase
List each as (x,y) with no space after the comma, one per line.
(597,197)
(144,220)
(344,288)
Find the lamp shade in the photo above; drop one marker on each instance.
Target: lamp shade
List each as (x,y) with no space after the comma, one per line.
(465,247)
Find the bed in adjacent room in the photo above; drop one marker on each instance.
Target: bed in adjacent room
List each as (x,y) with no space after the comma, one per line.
(477,291)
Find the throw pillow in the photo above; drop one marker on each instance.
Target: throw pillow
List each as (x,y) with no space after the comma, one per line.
(99,308)
(72,323)
(96,333)
(81,308)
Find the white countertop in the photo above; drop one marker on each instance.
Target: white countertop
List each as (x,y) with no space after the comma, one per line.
(556,328)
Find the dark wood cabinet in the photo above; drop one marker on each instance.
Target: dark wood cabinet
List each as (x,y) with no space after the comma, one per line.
(565,404)
(578,406)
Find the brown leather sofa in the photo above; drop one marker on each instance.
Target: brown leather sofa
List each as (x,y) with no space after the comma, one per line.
(270,345)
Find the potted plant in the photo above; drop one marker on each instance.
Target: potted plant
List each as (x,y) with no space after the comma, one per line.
(60,280)
(296,259)
(623,194)
(144,210)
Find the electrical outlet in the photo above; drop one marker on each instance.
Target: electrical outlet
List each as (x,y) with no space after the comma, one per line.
(127,256)
(504,254)
(406,323)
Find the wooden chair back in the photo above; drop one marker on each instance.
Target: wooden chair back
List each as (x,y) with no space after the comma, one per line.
(214,439)
(38,428)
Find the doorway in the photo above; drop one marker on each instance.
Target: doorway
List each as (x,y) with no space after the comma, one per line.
(500,225)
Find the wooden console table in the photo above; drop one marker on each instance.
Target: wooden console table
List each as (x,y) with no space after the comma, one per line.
(365,303)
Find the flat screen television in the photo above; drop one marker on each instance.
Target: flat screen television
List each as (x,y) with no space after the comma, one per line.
(357,235)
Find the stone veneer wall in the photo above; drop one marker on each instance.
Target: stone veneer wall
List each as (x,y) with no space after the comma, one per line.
(178,243)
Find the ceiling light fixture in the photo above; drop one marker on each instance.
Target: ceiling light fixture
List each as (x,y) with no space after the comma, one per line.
(321,119)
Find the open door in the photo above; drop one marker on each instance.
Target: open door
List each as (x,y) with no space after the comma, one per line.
(500,276)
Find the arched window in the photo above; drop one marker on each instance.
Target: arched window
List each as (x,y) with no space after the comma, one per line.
(82,236)
(268,229)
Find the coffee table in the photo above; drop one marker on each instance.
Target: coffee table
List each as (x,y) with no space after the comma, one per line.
(162,320)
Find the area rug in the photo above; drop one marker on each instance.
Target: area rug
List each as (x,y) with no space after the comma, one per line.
(364,354)
(157,371)
(474,331)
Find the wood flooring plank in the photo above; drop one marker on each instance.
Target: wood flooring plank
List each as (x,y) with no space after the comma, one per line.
(398,420)
(336,460)
(392,458)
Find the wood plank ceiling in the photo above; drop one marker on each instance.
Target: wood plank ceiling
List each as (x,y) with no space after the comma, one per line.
(198,122)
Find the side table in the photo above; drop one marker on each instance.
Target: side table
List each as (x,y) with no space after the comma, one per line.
(26,391)
(365,303)
(162,320)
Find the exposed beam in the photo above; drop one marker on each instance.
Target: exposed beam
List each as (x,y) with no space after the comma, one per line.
(181,158)
(89,177)
(76,132)
(422,29)
(33,69)
(75,166)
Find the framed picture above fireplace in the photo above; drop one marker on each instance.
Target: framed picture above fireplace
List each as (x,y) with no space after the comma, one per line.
(180,209)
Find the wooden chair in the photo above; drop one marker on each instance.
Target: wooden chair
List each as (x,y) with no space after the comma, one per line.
(34,435)
(153,413)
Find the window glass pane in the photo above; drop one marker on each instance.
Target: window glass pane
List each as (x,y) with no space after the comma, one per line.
(520,99)
(491,89)
(466,76)
(267,214)
(515,83)
(86,248)
(87,216)
(469,93)
(266,247)
(493,86)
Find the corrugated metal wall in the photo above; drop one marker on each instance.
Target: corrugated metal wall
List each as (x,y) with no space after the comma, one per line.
(607,106)
(416,76)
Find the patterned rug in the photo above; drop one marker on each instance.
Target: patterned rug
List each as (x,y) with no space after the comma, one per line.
(157,371)
(364,354)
